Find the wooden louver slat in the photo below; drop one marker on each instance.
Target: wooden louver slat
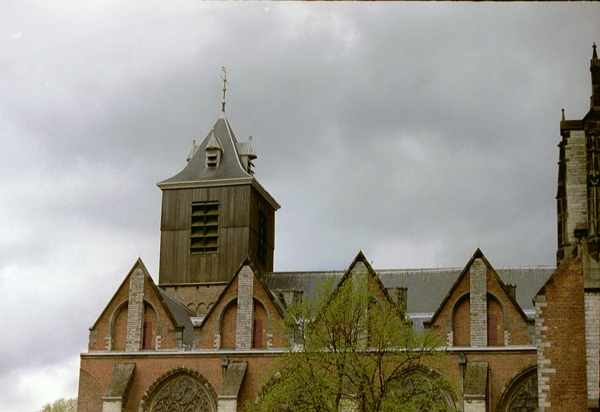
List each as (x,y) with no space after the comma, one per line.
(205,227)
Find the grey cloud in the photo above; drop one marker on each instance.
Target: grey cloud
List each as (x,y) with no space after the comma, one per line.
(376,125)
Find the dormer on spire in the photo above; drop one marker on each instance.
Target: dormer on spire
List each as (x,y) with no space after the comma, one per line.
(213,151)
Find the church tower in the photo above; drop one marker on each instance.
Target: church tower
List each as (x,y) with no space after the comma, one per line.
(215,214)
(578,207)
(578,196)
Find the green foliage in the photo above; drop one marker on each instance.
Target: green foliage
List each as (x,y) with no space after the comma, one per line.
(61,405)
(352,350)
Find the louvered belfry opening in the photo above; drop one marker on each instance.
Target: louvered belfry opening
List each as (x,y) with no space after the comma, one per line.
(205,227)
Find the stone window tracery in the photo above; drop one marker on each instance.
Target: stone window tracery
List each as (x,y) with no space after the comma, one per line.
(521,394)
(181,394)
(525,397)
(426,395)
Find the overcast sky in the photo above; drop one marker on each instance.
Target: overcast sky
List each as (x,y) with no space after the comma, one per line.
(413,132)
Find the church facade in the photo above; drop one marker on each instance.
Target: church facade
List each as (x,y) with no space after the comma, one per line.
(204,337)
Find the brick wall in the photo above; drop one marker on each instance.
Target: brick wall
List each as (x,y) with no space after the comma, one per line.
(514,329)
(228,330)
(128,318)
(225,334)
(213,334)
(98,371)
(461,324)
(503,366)
(119,336)
(561,353)
(454,321)
(89,396)
(101,330)
(197,298)
(494,308)
(164,333)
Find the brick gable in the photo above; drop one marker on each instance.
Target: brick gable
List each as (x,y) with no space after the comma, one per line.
(459,323)
(244,303)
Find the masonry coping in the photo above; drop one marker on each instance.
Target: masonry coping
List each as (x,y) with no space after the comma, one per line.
(233,379)
(476,379)
(120,380)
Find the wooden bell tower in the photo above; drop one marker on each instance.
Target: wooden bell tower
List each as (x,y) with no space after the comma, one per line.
(215,214)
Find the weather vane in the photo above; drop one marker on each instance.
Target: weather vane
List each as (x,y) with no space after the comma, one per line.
(224,77)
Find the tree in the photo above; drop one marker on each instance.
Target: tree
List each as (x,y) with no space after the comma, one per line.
(352,350)
(61,405)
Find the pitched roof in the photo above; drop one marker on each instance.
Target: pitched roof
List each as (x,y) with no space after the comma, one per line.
(181,314)
(426,287)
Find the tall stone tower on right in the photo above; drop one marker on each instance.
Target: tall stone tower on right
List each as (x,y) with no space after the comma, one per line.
(568,305)
(578,197)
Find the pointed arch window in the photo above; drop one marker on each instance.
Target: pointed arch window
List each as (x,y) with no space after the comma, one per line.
(182,390)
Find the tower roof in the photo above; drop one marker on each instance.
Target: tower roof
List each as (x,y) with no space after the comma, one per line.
(595,70)
(220,138)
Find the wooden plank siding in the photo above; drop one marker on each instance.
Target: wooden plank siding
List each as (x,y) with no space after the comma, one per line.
(236,202)
(260,203)
(203,267)
(238,210)
(173,266)
(234,250)
(176,209)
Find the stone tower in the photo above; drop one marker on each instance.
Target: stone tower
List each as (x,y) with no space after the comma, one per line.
(578,196)
(574,290)
(215,214)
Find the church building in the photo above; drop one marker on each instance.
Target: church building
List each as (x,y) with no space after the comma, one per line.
(204,337)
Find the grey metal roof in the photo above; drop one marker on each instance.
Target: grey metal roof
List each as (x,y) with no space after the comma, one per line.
(182,316)
(426,287)
(229,167)
(307,282)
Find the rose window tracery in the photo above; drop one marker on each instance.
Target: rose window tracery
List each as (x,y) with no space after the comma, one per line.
(182,394)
